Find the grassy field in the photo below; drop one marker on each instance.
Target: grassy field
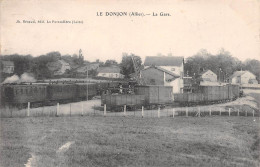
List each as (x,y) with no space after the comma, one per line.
(119,141)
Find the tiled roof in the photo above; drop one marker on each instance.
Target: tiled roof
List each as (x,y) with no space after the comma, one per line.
(163,70)
(203,72)
(238,73)
(163,61)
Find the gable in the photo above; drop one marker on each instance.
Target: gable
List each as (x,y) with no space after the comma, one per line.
(248,74)
(161,70)
(209,73)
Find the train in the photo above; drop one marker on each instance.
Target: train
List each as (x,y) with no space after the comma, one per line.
(114,94)
(154,96)
(46,93)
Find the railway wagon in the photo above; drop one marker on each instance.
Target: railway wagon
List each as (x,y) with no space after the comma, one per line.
(208,94)
(188,99)
(116,102)
(60,92)
(155,94)
(20,94)
(86,90)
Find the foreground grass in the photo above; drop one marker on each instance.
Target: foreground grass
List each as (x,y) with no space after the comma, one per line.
(119,141)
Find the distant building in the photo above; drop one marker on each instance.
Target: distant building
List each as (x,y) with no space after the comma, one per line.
(110,72)
(154,75)
(7,67)
(208,75)
(171,65)
(243,77)
(87,67)
(58,67)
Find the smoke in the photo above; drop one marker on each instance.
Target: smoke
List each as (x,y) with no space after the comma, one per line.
(12,79)
(25,77)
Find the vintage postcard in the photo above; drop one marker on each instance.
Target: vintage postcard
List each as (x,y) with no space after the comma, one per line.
(129,83)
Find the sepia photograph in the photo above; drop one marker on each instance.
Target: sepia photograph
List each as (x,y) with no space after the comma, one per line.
(129,83)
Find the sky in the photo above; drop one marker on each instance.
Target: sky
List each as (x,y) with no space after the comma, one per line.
(193,25)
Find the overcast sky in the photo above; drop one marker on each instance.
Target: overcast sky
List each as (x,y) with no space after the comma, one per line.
(193,25)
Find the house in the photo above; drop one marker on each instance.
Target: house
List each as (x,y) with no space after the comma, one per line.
(110,72)
(170,66)
(155,75)
(58,67)
(243,77)
(208,75)
(87,67)
(7,67)
(170,63)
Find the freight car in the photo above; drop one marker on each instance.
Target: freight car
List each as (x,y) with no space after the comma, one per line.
(149,96)
(208,95)
(117,102)
(155,95)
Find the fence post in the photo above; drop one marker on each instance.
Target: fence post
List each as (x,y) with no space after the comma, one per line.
(11,112)
(28,109)
(220,110)
(246,113)
(229,112)
(186,111)
(81,108)
(105,109)
(199,111)
(70,109)
(58,108)
(142,111)
(210,111)
(124,110)
(253,113)
(159,112)
(238,112)
(173,112)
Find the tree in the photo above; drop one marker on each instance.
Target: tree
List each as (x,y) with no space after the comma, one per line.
(127,66)
(110,63)
(222,64)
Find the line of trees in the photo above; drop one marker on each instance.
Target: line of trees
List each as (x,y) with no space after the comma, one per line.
(223,64)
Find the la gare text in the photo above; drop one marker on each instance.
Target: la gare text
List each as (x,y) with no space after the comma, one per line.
(132,14)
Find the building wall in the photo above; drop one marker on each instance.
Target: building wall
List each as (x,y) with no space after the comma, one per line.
(8,69)
(246,77)
(176,85)
(210,76)
(153,76)
(243,79)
